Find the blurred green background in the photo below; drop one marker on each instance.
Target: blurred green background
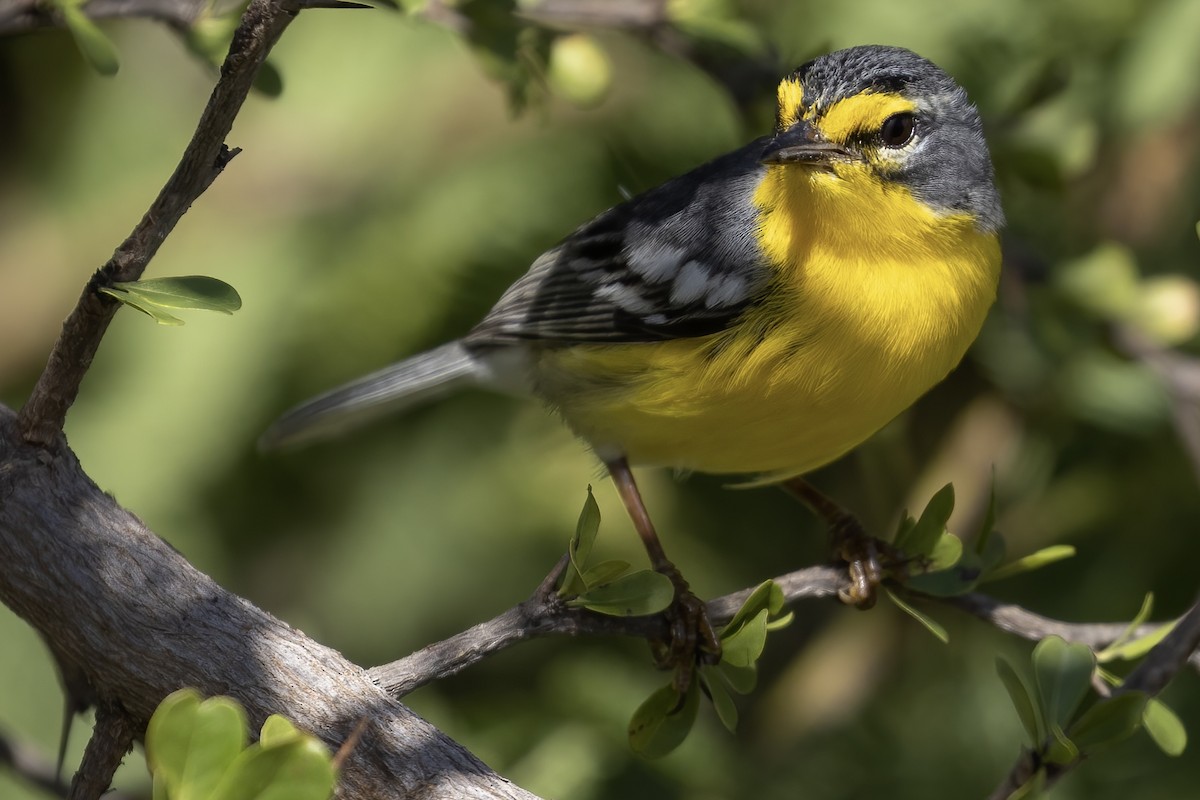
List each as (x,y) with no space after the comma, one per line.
(383,201)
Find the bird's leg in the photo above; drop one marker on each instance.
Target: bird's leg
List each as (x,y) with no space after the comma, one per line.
(851,543)
(693,639)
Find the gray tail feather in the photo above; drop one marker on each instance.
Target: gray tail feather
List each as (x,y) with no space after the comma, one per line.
(402,385)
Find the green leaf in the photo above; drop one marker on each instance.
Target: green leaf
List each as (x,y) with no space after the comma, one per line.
(299,769)
(1138,620)
(767,596)
(1042,558)
(944,583)
(580,548)
(1021,694)
(743,647)
(921,539)
(96,48)
(198,292)
(718,692)
(779,623)
(988,526)
(1109,721)
(946,552)
(1164,727)
(634,595)
(150,310)
(604,572)
(277,731)
(930,625)
(661,723)
(1032,788)
(1063,674)
(1059,749)
(1136,648)
(740,679)
(191,744)
(992,554)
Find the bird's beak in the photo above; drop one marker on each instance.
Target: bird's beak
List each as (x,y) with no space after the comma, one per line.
(802,144)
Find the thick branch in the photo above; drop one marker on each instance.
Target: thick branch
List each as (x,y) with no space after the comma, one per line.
(206,155)
(129,613)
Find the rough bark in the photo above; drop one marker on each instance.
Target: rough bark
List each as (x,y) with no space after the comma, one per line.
(132,620)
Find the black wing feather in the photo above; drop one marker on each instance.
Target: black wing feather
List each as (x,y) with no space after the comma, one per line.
(680,260)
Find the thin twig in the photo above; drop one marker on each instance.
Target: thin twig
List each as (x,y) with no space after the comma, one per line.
(544,614)
(43,415)
(19,16)
(1151,676)
(112,739)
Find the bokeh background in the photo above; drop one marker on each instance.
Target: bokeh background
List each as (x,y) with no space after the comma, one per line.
(385,198)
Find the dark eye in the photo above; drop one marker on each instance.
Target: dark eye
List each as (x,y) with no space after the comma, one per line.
(897,130)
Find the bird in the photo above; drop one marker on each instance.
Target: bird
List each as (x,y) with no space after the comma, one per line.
(760,315)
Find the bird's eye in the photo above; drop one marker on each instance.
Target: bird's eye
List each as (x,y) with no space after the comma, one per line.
(897,130)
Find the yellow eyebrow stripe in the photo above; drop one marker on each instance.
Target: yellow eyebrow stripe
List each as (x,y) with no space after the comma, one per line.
(862,112)
(791,99)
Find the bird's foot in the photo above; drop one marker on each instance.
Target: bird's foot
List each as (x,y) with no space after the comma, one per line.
(691,640)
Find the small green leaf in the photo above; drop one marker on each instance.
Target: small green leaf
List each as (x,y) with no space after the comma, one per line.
(718,692)
(277,731)
(661,723)
(743,647)
(921,539)
(992,553)
(1032,788)
(1143,614)
(740,679)
(1042,558)
(197,292)
(580,548)
(946,553)
(1021,694)
(933,627)
(759,600)
(951,582)
(1164,727)
(297,770)
(1109,721)
(779,623)
(907,523)
(605,572)
(150,310)
(191,744)
(634,595)
(988,526)
(1063,673)
(268,81)
(96,48)
(1136,648)
(585,532)
(1059,749)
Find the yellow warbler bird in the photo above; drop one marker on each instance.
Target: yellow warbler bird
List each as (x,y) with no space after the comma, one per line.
(761,314)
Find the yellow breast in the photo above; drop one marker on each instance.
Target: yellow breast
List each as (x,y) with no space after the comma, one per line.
(874,298)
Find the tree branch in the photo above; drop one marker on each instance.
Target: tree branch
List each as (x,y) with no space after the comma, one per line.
(43,415)
(131,615)
(545,614)
(1151,676)
(20,16)
(111,740)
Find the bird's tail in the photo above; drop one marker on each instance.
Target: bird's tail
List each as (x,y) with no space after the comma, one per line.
(402,385)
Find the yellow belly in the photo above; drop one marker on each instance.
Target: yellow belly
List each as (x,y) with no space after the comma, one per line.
(864,321)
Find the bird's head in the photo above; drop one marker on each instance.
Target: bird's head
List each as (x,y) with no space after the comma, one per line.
(885,114)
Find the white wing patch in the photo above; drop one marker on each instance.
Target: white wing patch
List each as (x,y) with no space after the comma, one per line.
(625,297)
(655,264)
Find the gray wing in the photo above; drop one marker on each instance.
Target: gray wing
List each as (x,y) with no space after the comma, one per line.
(680,260)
